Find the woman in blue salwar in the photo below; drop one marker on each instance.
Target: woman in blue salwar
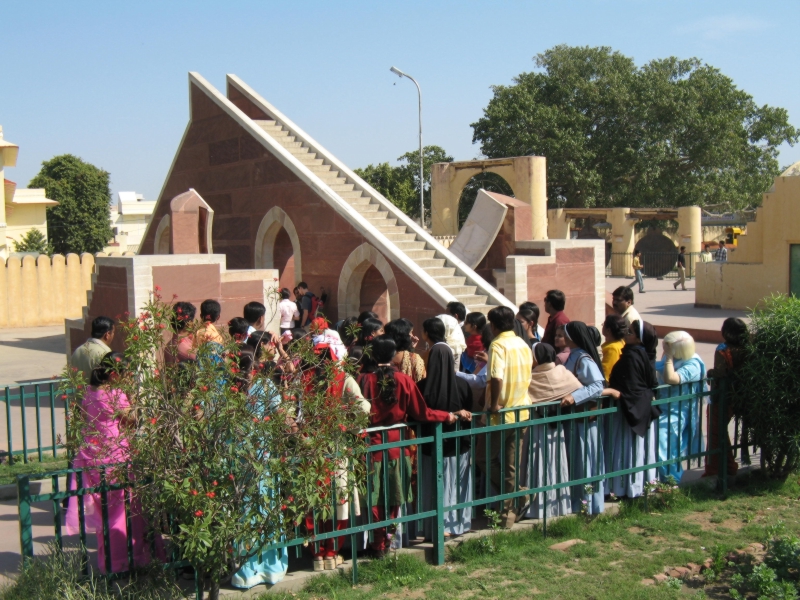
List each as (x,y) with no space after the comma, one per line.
(679,433)
(584,443)
(268,566)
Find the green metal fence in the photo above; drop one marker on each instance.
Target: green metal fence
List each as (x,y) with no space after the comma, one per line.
(682,411)
(35,419)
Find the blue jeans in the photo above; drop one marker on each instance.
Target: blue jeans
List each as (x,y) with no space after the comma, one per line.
(639,280)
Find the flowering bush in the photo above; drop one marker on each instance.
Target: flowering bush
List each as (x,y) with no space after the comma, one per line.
(227,461)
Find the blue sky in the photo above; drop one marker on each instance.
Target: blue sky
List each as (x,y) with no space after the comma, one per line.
(107,81)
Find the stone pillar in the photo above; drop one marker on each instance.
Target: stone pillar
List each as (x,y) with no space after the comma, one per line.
(690,229)
(623,240)
(530,186)
(444,220)
(190,224)
(558,225)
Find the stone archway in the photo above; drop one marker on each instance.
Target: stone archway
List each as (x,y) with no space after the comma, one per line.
(161,241)
(526,175)
(276,226)
(358,283)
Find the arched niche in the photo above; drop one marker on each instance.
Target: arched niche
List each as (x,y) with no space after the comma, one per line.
(278,247)
(367,282)
(161,240)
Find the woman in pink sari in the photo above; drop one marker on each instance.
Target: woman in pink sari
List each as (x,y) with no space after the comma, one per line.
(107,415)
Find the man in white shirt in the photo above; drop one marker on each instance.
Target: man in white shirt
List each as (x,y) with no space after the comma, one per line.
(622,301)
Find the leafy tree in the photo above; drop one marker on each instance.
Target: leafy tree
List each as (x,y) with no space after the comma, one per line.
(671,133)
(33,241)
(80,222)
(400,184)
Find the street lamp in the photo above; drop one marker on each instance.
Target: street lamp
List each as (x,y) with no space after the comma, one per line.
(399,73)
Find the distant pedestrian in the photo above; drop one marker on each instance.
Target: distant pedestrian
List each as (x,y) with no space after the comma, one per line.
(638,270)
(87,356)
(721,255)
(705,255)
(681,269)
(288,310)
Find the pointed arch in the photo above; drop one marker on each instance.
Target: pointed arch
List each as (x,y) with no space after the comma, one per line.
(161,241)
(355,267)
(271,225)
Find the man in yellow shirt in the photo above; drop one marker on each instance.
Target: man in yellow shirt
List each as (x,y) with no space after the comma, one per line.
(509,375)
(638,270)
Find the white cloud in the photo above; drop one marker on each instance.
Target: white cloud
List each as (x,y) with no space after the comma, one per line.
(717,28)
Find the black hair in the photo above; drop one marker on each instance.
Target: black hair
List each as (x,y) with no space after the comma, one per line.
(734,331)
(617,326)
(367,314)
(434,328)
(382,351)
(531,306)
(477,320)
(101,326)
(487,336)
(456,309)
(298,333)
(368,329)
(184,313)
(258,339)
(400,331)
(502,318)
(209,311)
(303,285)
(636,251)
(683,248)
(285,294)
(345,330)
(112,362)
(556,299)
(253,311)
(529,315)
(623,293)
(237,328)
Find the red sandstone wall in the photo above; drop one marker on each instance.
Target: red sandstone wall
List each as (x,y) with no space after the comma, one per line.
(241,181)
(573,274)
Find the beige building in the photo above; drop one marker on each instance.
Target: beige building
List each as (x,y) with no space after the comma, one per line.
(130,217)
(767,260)
(22,209)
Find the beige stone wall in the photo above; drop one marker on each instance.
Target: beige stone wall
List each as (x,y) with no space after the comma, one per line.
(36,291)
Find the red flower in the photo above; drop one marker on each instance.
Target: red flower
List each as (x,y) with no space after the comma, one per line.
(153,420)
(255,419)
(342,427)
(234,389)
(197,407)
(198,513)
(291,498)
(204,388)
(194,492)
(283,507)
(230,476)
(214,482)
(266,418)
(158,288)
(210,494)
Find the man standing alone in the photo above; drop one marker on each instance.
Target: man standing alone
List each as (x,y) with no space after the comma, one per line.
(554,303)
(681,269)
(87,356)
(638,271)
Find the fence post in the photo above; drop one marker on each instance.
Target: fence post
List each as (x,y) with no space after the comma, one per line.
(722,435)
(25,525)
(438,544)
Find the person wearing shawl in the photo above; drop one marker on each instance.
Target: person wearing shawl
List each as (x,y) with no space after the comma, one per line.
(454,337)
(549,384)
(443,391)
(585,444)
(679,430)
(633,434)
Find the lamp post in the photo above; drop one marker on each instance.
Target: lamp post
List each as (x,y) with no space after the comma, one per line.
(399,73)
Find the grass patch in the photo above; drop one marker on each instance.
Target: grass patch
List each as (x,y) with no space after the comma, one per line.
(9,472)
(620,551)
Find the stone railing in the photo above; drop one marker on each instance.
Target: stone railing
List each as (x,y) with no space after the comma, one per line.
(43,290)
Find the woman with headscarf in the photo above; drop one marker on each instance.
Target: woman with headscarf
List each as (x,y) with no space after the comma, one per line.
(679,431)
(395,398)
(633,428)
(549,384)
(582,435)
(442,390)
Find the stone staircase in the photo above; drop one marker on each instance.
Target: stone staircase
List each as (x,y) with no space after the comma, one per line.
(429,258)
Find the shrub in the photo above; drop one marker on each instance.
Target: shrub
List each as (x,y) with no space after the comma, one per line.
(33,241)
(766,393)
(230,470)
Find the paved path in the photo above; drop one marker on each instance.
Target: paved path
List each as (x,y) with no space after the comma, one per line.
(31,353)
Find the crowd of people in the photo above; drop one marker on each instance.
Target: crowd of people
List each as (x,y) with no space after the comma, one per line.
(505,366)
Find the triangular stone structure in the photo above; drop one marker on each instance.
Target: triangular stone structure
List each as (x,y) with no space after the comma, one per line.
(271,186)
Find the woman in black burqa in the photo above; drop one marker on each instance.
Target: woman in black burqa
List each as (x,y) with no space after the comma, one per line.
(634,426)
(444,391)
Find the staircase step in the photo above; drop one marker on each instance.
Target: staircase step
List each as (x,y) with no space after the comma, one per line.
(471,299)
(402,237)
(415,245)
(440,272)
(264,123)
(320,168)
(417,255)
(342,187)
(428,263)
(379,215)
(461,290)
(447,281)
(289,143)
(309,159)
(353,195)
(481,308)
(365,207)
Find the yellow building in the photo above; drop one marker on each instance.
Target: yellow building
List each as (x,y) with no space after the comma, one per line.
(22,209)
(767,258)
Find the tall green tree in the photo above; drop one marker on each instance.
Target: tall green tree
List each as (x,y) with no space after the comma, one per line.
(400,184)
(80,222)
(670,133)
